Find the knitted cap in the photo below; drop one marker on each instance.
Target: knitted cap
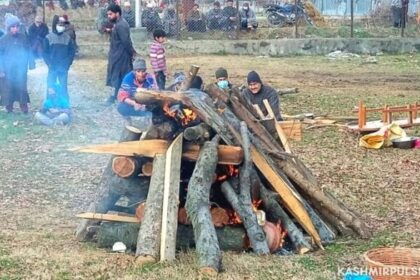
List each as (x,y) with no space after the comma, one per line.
(139,64)
(221,73)
(253,77)
(10,20)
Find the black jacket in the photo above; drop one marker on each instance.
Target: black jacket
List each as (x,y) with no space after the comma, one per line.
(59,51)
(268,93)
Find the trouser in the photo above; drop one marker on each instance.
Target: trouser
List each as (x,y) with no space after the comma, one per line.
(396,16)
(58,76)
(160,79)
(62,118)
(23,107)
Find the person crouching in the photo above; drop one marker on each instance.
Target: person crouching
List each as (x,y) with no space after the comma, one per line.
(138,78)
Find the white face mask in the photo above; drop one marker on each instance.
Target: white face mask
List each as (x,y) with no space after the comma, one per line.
(60,29)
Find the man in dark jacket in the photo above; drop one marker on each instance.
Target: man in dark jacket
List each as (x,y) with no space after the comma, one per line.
(59,51)
(231,14)
(121,51)
(36,34)
(128,14)
(256,92)
(15,57)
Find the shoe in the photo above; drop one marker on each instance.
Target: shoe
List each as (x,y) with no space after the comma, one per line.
(110,101)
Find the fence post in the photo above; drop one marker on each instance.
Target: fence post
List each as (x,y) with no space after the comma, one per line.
(351,18)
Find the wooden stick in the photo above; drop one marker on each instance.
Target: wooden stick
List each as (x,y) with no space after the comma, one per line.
(107,217)
(171,200)
(190,77)
(279,130)
(259,112)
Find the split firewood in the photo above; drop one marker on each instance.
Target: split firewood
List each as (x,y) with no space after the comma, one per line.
(219,216)
(108,217)
(242,203)
(183,216)
(197,205)
(171,185)
(283,139)
(125,167)
(148,242)
(149,148)
(140,211)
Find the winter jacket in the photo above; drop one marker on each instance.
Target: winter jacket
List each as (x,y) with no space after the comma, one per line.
(266,92)
(59,51)
(129,85)
(157,57)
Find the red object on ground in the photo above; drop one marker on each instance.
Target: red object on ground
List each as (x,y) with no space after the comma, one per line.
(417,144)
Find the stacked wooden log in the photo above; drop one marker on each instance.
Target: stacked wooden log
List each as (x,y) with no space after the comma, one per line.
(292,197)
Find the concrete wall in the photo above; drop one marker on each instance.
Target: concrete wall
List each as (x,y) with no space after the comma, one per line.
(275,48)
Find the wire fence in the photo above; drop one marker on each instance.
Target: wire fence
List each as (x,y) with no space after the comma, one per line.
(237,19)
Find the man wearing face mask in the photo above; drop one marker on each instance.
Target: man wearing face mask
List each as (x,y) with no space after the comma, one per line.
(121,51)
(59,51)
(248,18)
(256,92)
(222,79)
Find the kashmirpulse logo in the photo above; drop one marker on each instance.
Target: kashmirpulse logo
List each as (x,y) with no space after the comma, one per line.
(380,271)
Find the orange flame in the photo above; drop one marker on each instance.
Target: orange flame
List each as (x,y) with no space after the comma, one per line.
(256,204)
(185,116)
(234,218)
(232,171)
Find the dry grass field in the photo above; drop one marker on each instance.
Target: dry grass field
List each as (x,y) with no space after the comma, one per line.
(43,185)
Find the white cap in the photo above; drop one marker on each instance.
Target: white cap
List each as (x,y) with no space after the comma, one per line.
(127,4)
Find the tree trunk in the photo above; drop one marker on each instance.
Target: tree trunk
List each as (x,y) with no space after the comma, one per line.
(242,203)
(110,188)
(198,133)
(190,77)
(148,242)
(197,205)
(231,238)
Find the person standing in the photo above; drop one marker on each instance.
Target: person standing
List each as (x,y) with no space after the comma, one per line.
(15,58)
(157,57)
(128,14)
(256,92)
(396,9)
(121,51)
(36,34)
(59,51)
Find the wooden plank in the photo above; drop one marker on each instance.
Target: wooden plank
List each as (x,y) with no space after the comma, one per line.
(171,200)
(259,112)
(279,130)
(148,240)
(292,129)
(108,217)
(149,148)
(287,195)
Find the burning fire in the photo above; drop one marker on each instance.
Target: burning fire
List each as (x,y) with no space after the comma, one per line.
(234,218)
(230,171)
(184,115)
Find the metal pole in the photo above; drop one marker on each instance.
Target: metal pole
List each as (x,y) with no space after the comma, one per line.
(296,19)
(43,11)
(351,17)
(137,13)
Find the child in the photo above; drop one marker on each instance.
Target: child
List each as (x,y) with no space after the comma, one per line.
(157,57)
(56,108)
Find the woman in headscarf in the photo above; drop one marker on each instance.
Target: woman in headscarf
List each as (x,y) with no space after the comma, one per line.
(15,57)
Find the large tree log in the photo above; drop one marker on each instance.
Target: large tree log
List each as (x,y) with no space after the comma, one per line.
(198,133)
(197,205)
(242,203)
(148,242)
(232,238)
(171,199)
(110,189)
(149,148)
(190,77)
(275,212)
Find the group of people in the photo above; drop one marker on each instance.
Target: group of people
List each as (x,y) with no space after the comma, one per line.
(18,51)
(127,72)
(226,19)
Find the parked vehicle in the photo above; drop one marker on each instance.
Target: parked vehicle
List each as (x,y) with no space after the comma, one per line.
(286,14)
